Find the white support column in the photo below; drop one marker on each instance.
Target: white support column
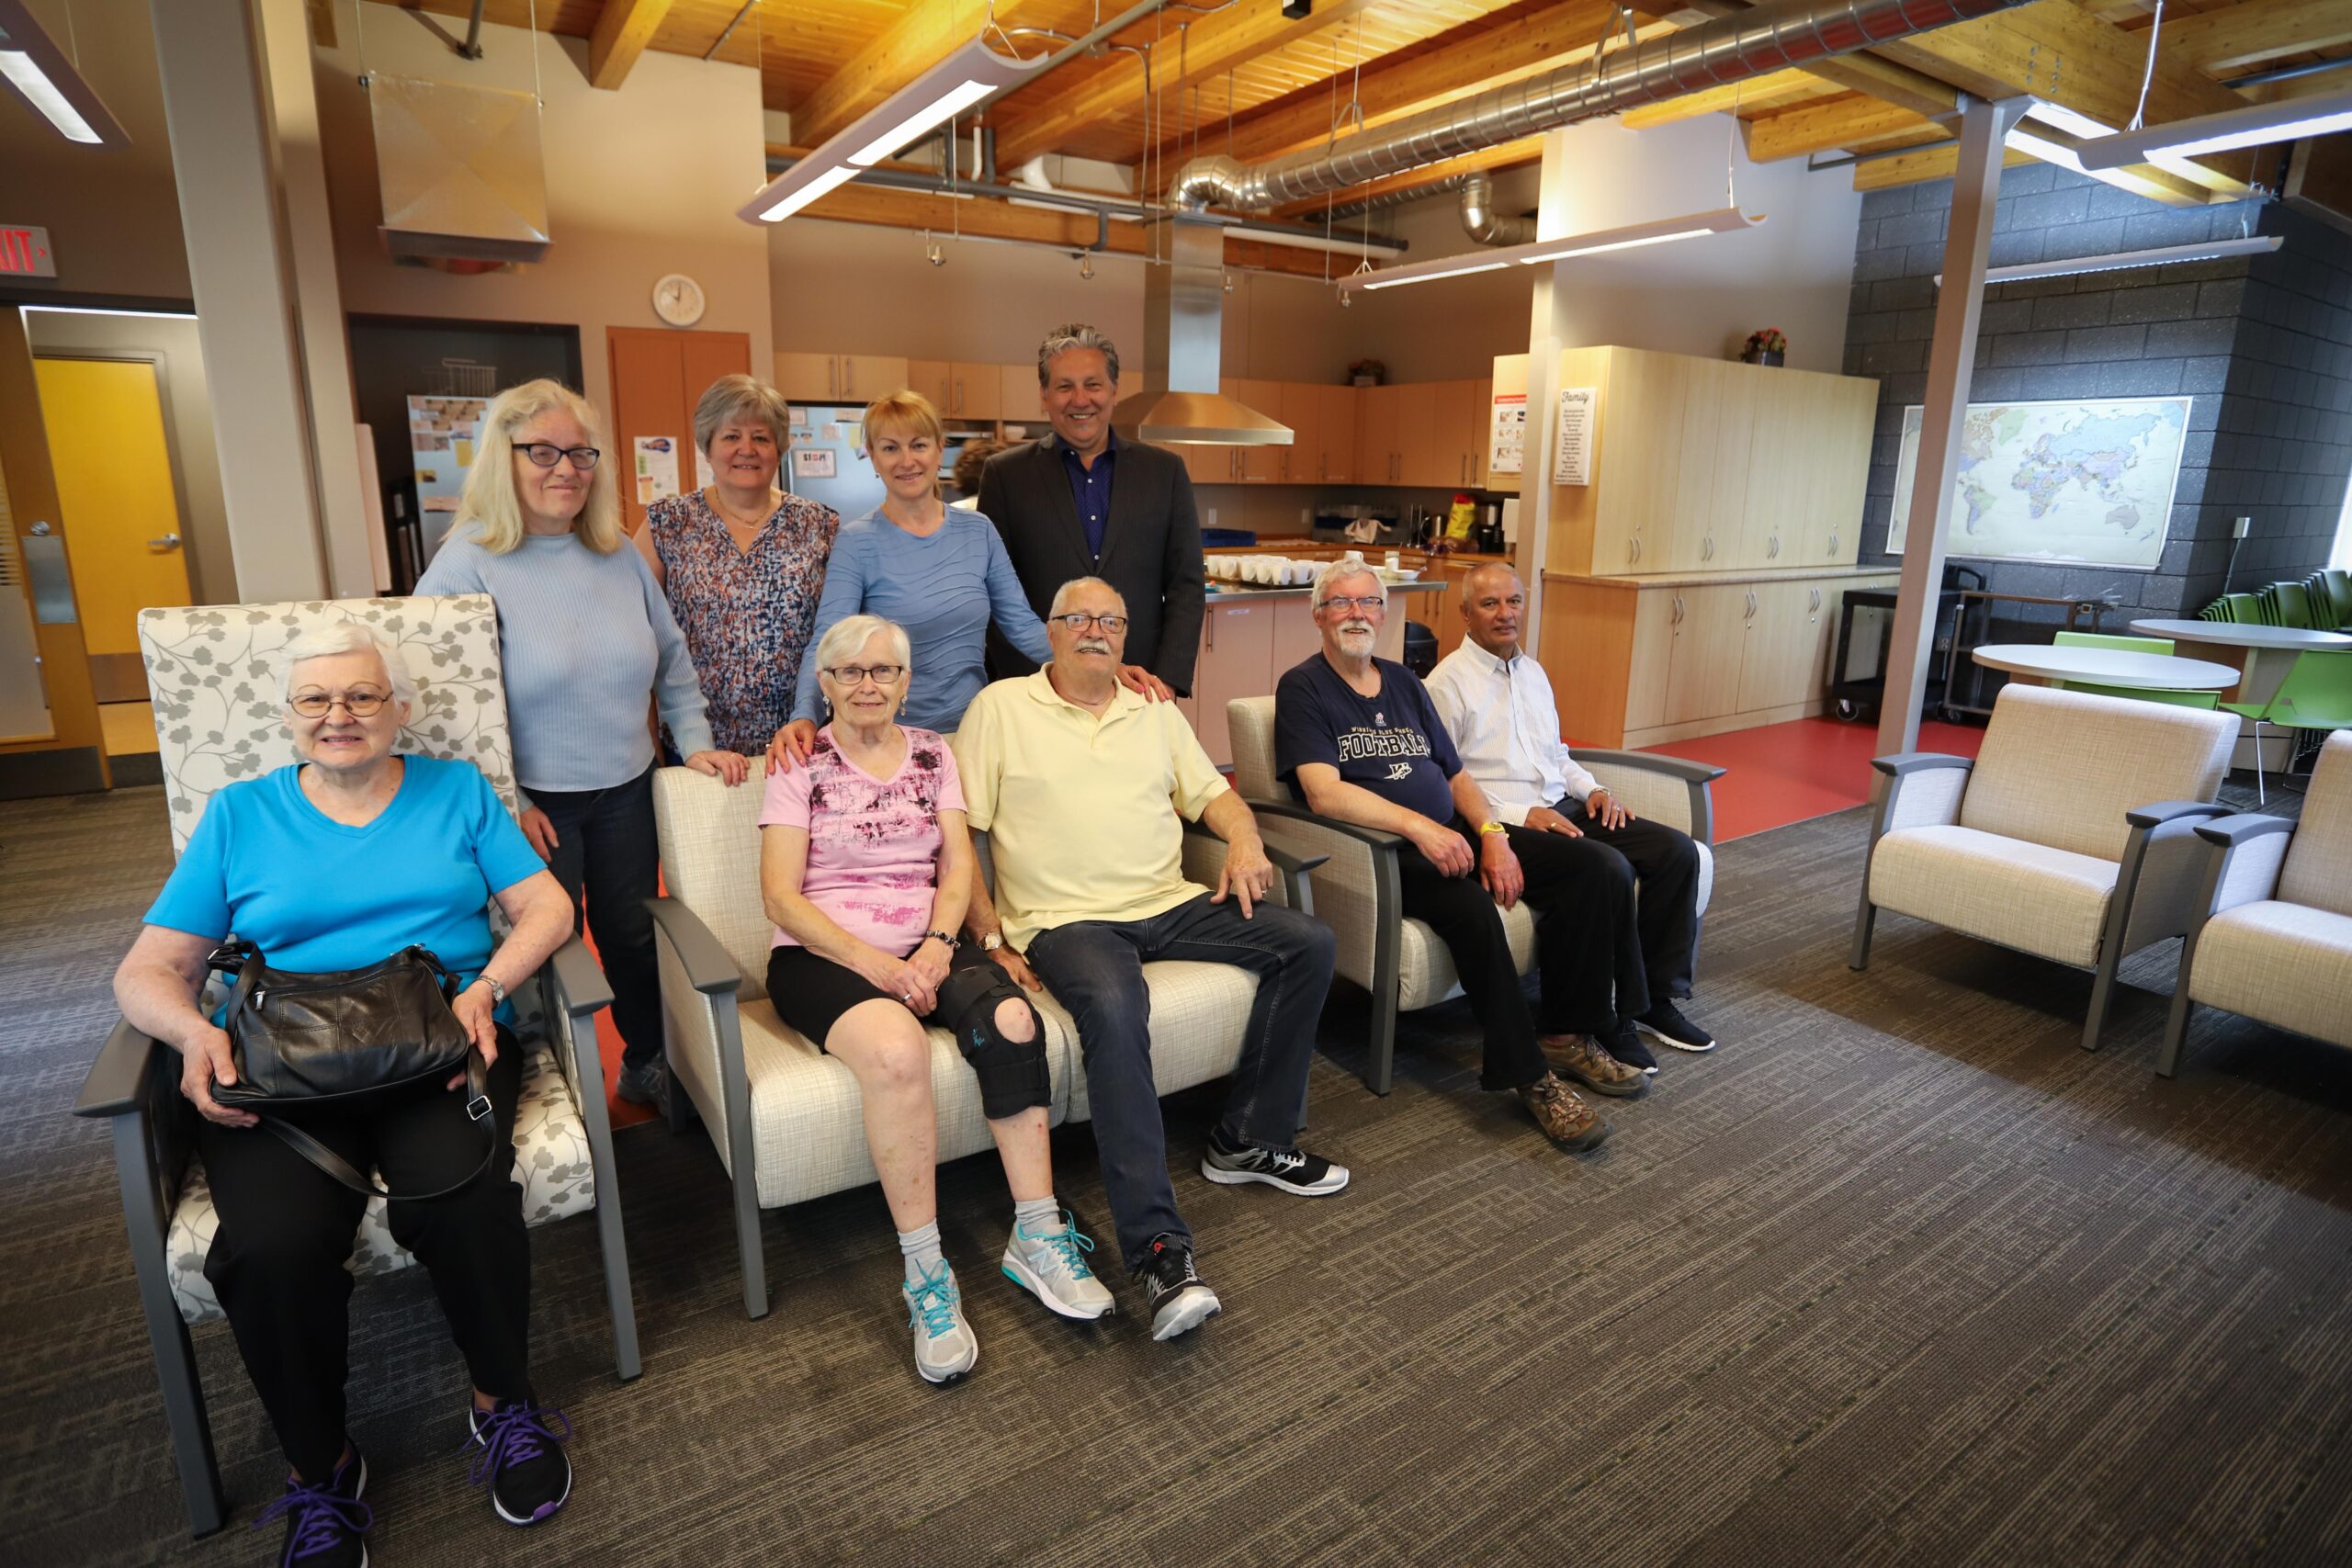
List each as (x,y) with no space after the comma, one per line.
(216,104)
(1951,360)
(1555,195)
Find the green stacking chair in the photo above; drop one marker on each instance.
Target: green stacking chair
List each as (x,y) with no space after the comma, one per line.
(2243,609)
(2339,594)
(2316,695)
(2290,605)
(2216,611)
(2131,693)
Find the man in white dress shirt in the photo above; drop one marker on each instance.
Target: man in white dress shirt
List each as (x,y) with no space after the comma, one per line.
(1497,703)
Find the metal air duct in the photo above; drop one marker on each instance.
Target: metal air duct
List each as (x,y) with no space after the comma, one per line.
(1712,54)
(1482,222)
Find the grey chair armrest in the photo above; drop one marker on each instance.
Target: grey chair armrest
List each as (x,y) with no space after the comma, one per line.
(579,979)
(1673,767)
(2164,811)
(2231,831)
(123,1076)
(708,968)
(1903,764)
(1378,838)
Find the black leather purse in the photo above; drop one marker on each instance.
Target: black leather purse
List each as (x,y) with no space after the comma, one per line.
(341,1039)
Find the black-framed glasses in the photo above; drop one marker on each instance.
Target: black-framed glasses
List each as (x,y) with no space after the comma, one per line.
(1078,622)
(855,674)
(1344,605)
(546,453)
(361,704)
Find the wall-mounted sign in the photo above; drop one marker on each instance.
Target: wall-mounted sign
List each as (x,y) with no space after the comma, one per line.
(1506,442)
(25,253)
(1572,465)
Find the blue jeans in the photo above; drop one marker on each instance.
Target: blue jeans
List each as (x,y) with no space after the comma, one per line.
(1095,969)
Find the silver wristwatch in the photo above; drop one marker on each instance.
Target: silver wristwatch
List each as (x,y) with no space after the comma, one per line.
(497,992)
(992,942)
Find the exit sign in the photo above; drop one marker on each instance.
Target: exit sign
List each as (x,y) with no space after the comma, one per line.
(25,253)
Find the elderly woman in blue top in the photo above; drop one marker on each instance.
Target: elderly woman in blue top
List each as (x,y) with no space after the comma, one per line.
(337,862)
(587,639)
(939,572)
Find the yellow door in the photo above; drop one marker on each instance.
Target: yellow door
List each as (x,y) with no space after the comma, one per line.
(119,513)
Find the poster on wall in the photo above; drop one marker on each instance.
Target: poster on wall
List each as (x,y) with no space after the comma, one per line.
(441,436)
(1572,464)
(813,462)
(703,478)
(2084,481)
(1507,436)
(656,468)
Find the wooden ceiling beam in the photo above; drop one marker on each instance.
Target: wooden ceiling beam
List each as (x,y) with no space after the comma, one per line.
(1853,120)
(623,29)
(1758,95)
(2219,42)
(1039,118)
(1508,155)
(1889,83)
(926,35)
(1929,163)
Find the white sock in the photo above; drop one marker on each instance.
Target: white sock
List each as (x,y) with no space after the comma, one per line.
(920,1250)
(1036,1215)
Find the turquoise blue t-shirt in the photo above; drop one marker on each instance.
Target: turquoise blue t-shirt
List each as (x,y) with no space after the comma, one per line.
(315,896)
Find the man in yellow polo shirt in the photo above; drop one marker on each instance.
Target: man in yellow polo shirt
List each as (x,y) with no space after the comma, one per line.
(1079,783)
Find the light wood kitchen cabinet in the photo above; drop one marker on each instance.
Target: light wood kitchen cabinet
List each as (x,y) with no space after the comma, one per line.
(839,378)
(1710,642)
(1016,394)
(1420,456)
(1258,465)
(1301,407)
(1781,662)
(1378,409)
(1458,426)
(958,390)
(1336,446)
(1236,655)
(1703,534)
(806,378)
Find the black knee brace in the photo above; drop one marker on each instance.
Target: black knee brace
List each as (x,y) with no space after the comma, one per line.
(1012,1073)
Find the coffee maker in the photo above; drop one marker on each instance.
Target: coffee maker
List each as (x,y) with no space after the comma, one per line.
(1487,534)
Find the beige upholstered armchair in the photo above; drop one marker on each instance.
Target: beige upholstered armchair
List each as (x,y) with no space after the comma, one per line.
(2272,934)
(1400,962)
(785,1117)
(2070,837)
(213,672)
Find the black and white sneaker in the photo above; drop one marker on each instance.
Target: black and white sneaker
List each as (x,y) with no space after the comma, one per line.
(326,1525)
(1665,1022)
(644,1084)
(1624,1042)
(518,1450)
(1294,1170)
(1179,1300)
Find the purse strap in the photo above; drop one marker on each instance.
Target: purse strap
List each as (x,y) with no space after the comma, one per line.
(478,1108)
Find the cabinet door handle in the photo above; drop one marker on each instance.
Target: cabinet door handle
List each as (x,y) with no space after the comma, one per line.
(1833,543)
(1774,553)
(1678,609)
(833,377)
(959,394)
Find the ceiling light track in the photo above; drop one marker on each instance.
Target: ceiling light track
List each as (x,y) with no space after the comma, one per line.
(1630,236)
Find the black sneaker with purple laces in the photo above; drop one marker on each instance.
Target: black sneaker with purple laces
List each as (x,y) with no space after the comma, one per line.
(326,1524)
(519,1451)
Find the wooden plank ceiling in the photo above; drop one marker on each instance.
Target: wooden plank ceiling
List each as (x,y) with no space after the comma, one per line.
(1241,78)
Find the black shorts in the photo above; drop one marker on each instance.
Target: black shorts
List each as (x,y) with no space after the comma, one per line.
(811,993)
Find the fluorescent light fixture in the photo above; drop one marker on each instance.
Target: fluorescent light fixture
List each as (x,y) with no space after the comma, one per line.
(1691,226)
(2255,125)
(35,66)
(965,79)
(102,310)
(2117,261)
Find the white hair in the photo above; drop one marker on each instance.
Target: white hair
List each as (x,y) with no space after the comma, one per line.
(1062,595)
(326,640)
(1339,572)
(851,633)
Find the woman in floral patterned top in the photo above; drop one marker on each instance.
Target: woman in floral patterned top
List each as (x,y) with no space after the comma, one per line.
(743,565)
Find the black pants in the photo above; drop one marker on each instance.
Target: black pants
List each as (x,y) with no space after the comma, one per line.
(1666,862)
(1586,952)
(605,848)
(278,1260)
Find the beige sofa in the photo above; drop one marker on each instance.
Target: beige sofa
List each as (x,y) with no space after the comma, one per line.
(1401,964)
(785,1117)
(2272,938)
(2071,836)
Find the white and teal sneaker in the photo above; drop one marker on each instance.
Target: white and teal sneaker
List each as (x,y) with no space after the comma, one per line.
(946,1346)
(1051,1266)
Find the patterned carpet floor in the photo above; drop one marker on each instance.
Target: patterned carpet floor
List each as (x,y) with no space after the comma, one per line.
(1900,1275)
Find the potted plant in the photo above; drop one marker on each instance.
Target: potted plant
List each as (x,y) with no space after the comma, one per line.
(1766,345)
(1367,373)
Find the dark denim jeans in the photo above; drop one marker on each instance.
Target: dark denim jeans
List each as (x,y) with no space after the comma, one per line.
(1095,969)
(606,849)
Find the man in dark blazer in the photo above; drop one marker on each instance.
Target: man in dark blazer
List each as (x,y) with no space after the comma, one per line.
(1082,503)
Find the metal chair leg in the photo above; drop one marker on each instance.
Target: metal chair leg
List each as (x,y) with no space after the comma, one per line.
(2261,796)
(183,1413)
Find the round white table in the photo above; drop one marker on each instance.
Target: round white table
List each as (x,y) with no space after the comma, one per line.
(2262,655)
(2105,667)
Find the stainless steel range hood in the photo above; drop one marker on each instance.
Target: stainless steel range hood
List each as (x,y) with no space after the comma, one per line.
(1183,315)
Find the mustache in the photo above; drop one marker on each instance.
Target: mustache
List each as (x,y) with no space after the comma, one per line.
(1091,644)
(1347,626)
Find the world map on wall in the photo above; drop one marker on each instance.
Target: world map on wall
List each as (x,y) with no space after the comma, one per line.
(2089,482)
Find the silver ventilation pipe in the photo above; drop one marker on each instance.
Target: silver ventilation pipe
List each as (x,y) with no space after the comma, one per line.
(1365,206)
(1482,222)
(1715,53)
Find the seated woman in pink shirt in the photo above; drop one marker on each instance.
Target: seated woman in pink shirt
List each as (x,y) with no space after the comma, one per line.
(865,867)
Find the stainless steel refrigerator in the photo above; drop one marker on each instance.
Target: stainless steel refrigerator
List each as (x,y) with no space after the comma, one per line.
(825,458)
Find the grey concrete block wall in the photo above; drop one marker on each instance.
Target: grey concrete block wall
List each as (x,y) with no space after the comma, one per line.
(2263,347)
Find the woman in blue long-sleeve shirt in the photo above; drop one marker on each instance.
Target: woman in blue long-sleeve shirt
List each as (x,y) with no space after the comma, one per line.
(941,572)
(586,640)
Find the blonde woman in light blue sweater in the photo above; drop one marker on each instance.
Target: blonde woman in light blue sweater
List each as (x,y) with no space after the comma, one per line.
(587,642)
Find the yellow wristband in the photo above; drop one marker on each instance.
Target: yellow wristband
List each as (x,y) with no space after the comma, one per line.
(1490,826)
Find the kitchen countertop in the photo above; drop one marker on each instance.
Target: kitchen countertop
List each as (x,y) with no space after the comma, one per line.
(1301,590)
(1703,579)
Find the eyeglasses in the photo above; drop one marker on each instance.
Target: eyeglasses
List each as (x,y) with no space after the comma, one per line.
(855,674)
(1114,625)
(1344,605)
(361,704)
(546,453)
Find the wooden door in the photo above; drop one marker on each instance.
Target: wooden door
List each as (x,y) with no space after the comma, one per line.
(1718,426)
(658,376)
(1846,422)
(60,715)
(976,392)
(118,507)
(1658,625)
(807,377)
(1260,465)
(1703,681)
(1782,646)
(1338,447)
(935,379)
(1641,413)
(1236,660)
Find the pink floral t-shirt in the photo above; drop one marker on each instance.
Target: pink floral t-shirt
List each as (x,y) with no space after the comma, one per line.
(872,844)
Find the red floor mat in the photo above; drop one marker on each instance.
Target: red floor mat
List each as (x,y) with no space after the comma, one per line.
(1808,767)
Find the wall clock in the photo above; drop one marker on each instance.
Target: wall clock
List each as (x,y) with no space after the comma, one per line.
(678,299)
